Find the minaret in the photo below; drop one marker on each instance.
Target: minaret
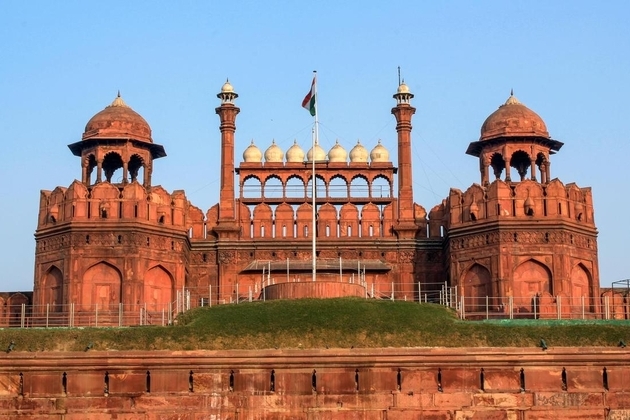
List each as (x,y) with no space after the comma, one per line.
(227,113)
(403,111)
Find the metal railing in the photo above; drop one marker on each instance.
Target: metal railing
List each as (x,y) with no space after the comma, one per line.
(607,307)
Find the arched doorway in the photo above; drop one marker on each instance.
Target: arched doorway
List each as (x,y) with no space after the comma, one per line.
(581,288)
(531,279)
(52,289)
(101,286)
(477,285)
(158,289)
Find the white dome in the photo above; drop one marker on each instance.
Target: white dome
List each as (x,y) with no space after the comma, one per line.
(379,153)
(274,153)
(337,153)
(320,154)
(252,153)
(295,153)
(358,153)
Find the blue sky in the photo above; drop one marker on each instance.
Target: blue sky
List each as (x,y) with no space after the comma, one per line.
(62,62)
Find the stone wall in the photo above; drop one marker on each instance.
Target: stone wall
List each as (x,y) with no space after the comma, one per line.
(439,383)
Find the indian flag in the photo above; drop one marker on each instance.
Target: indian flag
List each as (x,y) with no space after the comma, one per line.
(309,100)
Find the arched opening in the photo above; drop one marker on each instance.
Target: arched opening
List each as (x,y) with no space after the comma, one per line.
(158,289)
(338,187)
(295,187)
(273,188)
(359,187)
(521,162)
(581,288)
(111,165)
(320,186)
(381,187)
(477,285)
(101,286)
(531,279)
(91,164)
(52,289)
(498,165)
(252,188)
(135,163)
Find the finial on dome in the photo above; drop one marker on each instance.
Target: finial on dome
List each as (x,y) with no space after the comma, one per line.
(119,101)
(227,94)
(512,99)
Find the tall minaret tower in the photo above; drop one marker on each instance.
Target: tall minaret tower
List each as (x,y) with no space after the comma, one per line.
(227,113)
(403,111)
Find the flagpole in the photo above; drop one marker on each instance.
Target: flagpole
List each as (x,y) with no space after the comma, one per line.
(315,142)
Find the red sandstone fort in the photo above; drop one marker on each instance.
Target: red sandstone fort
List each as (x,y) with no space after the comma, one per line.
(113,244)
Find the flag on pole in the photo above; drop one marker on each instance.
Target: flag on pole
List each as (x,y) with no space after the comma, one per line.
(309,100)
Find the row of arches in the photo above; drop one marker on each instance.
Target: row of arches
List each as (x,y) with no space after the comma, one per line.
(336,187)
(102,285)
(113,168)
(530,279)
(332,221)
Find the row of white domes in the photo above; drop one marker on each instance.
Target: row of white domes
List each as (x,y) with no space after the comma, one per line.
(336,154)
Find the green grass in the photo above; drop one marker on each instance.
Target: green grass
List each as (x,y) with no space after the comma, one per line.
(312,323)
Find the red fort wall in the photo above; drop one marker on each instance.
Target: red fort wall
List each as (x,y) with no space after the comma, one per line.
(440,383)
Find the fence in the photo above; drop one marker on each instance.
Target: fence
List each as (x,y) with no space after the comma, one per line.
(613,306)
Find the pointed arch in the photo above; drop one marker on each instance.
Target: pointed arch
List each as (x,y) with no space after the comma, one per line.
(52,289)
(111,164)
(477,284)
(157,288)
(531,278)
(581,286)
(101,285)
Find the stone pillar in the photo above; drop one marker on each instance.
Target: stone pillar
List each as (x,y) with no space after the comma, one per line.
(99,171)
(403,113)
(533,170)
(125,172)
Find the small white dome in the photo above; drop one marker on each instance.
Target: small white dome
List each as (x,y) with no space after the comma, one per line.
(274,153)
(358,153)
(337,153)
(252,153)
(295,153)
(320,154)
(379,153)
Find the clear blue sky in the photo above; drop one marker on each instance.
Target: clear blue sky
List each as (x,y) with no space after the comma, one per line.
(63,61)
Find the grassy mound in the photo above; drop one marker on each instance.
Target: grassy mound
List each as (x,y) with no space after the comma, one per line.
(313,323)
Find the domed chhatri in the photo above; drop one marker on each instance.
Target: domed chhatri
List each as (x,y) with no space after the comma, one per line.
(227,87)
(379,153)
(274,153)
(358,153)
(337,153)
(118,120)
(295,154)
(252,154)
(320,154)
(513,119)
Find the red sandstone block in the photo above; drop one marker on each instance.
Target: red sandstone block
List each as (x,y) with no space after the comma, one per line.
(452,399)
(618,415)
(378,380)
(42,383)
(210,382)
(338,382)
(179,415)
(618,378)
(461,380)
(419,381)
(252,381)
(585,379)
(9,384)
(149,402)
(216,415)
(170,381)
(617,399)
(91,416)
(563,413)
(483,414)
(365,401)
(543,379)
(501,380)
(83,404)
(295,381)
(504,400)
(83,383)
(127,382)
(412,400)
(569,399)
